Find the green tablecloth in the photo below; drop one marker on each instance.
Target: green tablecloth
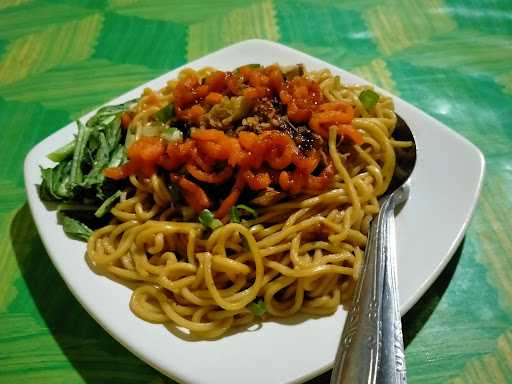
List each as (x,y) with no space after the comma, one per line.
(451,58)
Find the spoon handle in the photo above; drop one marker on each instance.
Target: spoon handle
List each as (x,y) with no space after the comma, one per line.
(371,346)
(359,350)
(392,365)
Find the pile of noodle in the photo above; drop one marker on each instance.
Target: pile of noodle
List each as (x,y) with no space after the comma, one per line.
(300,255)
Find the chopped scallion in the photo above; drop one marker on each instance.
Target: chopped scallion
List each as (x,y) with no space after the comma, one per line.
(257,307)
(369,98)
(172,134)
(208,220)
(234,213)
(165,113)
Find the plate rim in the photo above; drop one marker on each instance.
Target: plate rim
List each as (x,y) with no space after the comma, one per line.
(31,160)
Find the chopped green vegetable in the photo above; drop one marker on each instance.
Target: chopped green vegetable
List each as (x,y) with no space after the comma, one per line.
(63,152)
(107,204)
(172,134)
(165,114)
(369,98)
(249,210)
(75,229)
(252,66)
(229,110)
(208,220)
(257,307)
(234,216)
(234,213)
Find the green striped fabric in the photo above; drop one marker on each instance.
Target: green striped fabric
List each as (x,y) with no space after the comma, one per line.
(451,58)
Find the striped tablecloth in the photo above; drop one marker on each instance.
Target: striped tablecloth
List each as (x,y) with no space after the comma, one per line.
(451,58)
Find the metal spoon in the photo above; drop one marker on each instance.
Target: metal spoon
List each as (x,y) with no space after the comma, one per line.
(371,348)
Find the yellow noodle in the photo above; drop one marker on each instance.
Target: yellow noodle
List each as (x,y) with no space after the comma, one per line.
(300,255)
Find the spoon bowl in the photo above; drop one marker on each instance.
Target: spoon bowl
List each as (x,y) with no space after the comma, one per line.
(405,156)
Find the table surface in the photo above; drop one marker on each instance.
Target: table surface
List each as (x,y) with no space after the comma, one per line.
(451,58)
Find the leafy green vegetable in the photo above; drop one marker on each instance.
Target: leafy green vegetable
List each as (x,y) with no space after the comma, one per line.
(76,174)
(55,185)
(77,181)
(208,220)
(369,98)
(45,189)
(107,204)
(172,134)
(165,114)
(97,145)
(257,307)
(234,213)
(63,152)
(75,229)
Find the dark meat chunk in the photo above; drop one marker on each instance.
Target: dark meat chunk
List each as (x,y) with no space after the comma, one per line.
(271,114)
(305,139)
(183,126)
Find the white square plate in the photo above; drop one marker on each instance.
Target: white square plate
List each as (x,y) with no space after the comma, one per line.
(445,187)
